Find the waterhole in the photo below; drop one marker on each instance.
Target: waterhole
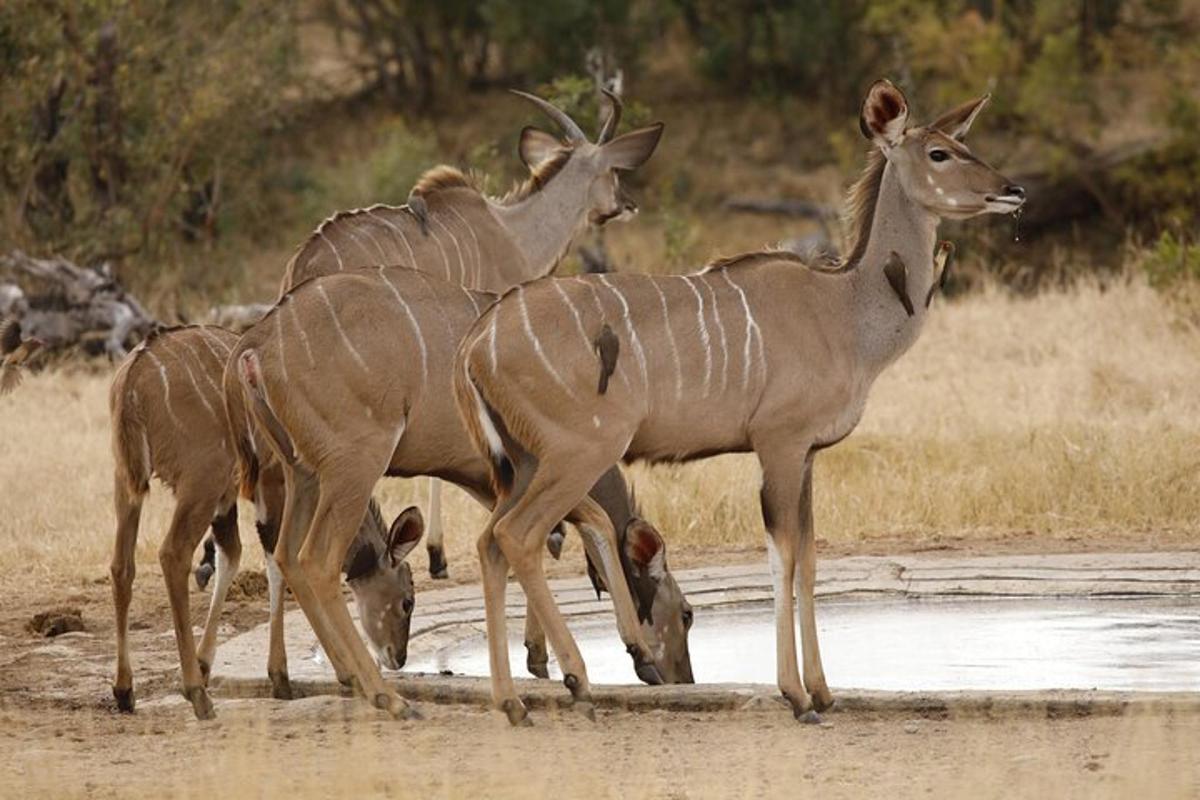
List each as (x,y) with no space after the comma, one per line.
(917,645)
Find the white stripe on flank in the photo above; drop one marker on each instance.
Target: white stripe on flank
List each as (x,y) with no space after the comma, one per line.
(703,333)
(752,332)
(720,327)
(337,323)
(470,296)
(412,257)
(200,365)
(662,299)
(336,254)
(620,373)
(196,385)
(478,253)
(445,257)
(279,332)
(537,345)
(291,304)
(413,320)
(462,265)
(208,337)
(492,338)
(383,256)
(166,384)
(587,343)
(637,344)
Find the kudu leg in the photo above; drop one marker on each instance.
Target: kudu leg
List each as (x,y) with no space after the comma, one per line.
(537,658)
(603,547)
(493,567)
(340,510)
(434,533)
(122,571)
(814,672)
(302,490)
(553,494)
(190,520)
(268,507)
(229,555)
(783,477)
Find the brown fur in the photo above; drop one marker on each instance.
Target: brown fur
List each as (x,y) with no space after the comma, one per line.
(860,205)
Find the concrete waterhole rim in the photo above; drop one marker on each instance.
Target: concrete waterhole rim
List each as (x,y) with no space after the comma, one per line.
(446,616)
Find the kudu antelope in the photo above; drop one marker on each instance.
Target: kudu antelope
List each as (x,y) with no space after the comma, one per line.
(168,421)
(450,229)
(565,376)
(350,376)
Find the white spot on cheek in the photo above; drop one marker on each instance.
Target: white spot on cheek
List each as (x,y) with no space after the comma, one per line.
(595,421)
(940,192)
(929,179)
(952,201)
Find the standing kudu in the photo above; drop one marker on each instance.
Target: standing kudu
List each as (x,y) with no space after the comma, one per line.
(168,421)
(451,230)
(564,377)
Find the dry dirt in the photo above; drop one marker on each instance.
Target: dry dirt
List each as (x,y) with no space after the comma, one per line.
(55,709)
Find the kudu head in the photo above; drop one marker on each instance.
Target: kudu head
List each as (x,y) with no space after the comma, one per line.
(593,167)
(935,169)
(664,613)
(382,584)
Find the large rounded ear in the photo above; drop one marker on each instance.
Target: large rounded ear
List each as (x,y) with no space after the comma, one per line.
(956,122)
(631,150)
(884,114)
(407,529)
(645,548)
(536,146)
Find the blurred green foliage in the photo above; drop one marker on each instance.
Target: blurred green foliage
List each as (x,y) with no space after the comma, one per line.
(146,128)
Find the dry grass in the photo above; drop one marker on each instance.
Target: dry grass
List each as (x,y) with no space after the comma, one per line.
(1068,414)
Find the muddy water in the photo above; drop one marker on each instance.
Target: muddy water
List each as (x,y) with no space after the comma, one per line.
(1116,644)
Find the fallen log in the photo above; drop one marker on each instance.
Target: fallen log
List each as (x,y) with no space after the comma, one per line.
(65,306)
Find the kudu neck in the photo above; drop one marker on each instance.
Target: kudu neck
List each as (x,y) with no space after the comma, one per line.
(899,225)
(546,222)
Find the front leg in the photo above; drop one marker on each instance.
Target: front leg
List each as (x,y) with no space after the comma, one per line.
(434,533)
(814,672)
(784,470)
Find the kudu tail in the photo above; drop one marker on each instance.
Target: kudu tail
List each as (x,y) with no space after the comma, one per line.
(249,373)
(131,449)
(483,425)
(241,432)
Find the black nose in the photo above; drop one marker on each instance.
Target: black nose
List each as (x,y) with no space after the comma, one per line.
(408,606)
(1014,191)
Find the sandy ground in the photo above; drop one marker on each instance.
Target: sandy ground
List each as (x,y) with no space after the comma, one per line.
(60,735)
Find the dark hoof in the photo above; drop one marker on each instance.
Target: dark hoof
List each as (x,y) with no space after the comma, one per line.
(348,686)
(586,708)
(554,542)
(205,670)
(536,659)
(809,717)
(396,706)
(649,674)
(201,703)
(203,575)
(437,564)
(518,715)
(124,698)
(281,687)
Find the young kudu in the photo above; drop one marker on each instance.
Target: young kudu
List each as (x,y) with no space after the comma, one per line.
(565,376)
(168,421)
(452,230)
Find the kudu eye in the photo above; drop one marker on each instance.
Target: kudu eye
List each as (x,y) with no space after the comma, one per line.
(408,605)
(688,616)
(938,155)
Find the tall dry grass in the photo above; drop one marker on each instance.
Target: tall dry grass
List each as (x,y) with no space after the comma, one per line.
(1075,412)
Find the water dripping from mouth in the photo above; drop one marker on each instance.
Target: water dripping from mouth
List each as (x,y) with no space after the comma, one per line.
(1017,223)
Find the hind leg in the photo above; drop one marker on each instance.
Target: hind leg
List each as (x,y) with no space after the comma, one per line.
(229,554)
(434,533)
(268,506)
(122,571)
(175,555)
